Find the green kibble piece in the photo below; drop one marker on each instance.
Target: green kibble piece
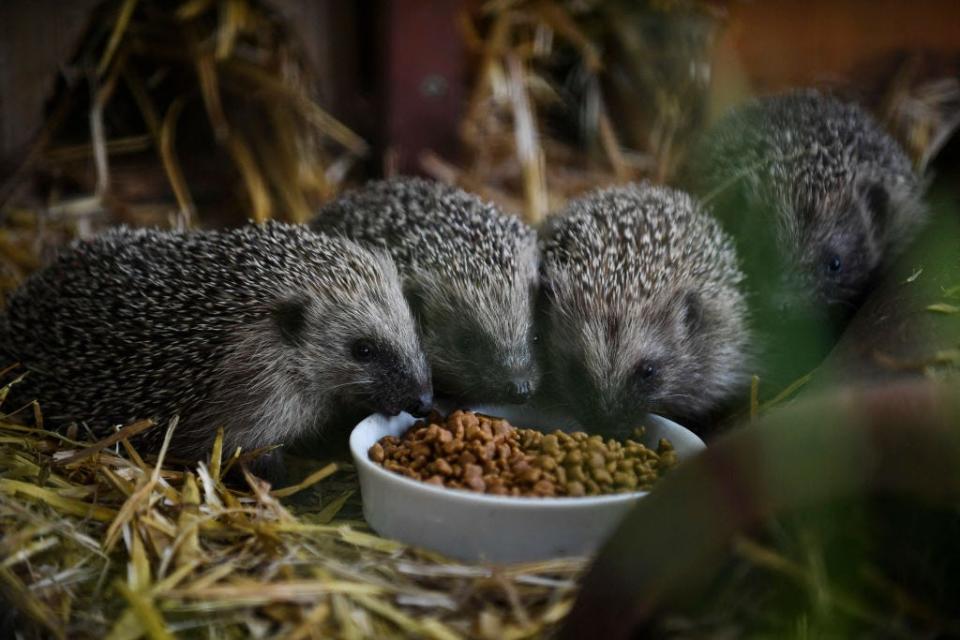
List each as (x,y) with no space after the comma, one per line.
(602,475)
(550,444)
(576,489)
(561,475)
(547,463)
(668,459)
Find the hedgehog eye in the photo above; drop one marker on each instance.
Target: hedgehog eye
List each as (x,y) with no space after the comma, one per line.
(834,265)
(646,371)
(362,350)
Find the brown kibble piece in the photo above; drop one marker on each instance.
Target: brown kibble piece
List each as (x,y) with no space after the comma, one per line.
(501,427)
(477,484)
(544,488)
(472,471)
(530,475)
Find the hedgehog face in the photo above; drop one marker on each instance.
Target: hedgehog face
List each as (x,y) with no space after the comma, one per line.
(610,369)
(834,250)
(641,308)
(841,193)
(359,352)
(479,340)
(468,269)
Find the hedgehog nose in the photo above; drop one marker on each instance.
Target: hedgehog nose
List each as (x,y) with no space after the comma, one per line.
(421,406)
(519,390)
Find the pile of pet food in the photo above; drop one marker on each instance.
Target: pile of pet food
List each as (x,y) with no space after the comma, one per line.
(489,455)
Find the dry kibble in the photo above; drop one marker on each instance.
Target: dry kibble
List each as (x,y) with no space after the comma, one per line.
(597,461)
(576,473)
(443,467)
(601,475)
(544,488)
(530,475)
(562,475)
(550,444)
(489,455)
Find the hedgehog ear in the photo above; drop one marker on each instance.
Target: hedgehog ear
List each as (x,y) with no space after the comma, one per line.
(415,299)
(691,311)
(876,199)
(290,316)
(543,291)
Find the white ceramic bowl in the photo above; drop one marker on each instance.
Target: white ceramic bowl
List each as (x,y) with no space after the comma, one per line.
(472,526)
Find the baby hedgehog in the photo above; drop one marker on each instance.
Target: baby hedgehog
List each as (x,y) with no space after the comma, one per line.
(816,194)
(267,330)
(642,309)
(469,272)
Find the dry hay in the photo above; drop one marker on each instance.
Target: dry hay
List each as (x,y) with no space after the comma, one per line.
(190,113)
(98,540)
(571,95)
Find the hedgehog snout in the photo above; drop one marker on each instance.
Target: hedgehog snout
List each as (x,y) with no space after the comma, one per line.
(412,395)
(519,379)
(611,416)
(518,390)
(421,406)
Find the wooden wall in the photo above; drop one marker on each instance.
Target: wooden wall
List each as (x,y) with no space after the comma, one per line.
(35,37)
(771,45)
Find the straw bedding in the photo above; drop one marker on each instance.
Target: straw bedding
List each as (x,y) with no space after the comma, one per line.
(98,540)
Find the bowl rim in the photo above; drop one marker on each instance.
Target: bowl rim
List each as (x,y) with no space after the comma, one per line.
(362,459)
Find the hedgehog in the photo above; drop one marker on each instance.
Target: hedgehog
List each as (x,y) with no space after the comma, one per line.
(269,331)
(642,309)
(817,195)
(469,273)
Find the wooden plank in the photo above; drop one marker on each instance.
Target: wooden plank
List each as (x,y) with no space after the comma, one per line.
(778,44)
(423,83)
(36,36)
